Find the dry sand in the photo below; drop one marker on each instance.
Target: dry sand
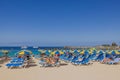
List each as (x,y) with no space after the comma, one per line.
(96,71)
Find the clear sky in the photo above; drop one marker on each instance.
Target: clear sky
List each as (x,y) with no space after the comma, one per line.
(59,22)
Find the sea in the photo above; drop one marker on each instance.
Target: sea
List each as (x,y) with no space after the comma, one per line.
(14,50)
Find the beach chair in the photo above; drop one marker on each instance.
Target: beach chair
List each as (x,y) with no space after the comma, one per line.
(63,56)
(100,57)
(93,56)
(68,58)
(16,62)
(57,64)
(42,63)
(17,65)
(86,54)
(75,59)
(84,61)
(107,55)
(115,61)
(78,62)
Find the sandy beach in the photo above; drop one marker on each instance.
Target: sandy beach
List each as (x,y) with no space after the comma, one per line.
(95,71)
(59,40)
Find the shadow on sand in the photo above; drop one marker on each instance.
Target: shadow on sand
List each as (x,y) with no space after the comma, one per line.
(61,64)
(31,65)
(90,64)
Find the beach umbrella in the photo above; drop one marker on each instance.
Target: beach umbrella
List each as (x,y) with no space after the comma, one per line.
(86,52)
(47,52)
(113,52)
(78,51)
(27,53)
(71,51)
(101,52)
(82,52)
(53,52)
(75,51)
(5,52)
(39,50)
(61,52)
(24,52)
(90,52)
(108,52)
(42,51)
(95,51)
(117,52)
(21,53)
(57,52)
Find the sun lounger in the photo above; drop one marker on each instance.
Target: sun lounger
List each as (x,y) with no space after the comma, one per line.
(42,63)
(84,61)
(100,57)
(115,61)
(75,59)
(68,58)
(92,56)
(57,64)
(15,63)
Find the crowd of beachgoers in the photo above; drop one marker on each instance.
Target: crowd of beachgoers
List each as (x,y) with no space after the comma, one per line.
(47,58)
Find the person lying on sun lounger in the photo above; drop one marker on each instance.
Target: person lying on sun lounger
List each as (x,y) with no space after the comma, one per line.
(106,60)
(56,58)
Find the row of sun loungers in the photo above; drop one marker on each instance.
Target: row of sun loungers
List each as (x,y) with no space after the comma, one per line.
(78,59)
(87,58)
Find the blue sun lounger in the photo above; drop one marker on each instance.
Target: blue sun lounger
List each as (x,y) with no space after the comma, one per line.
(63,56)
(92,56)
(84,61)
(42,63)
(16,62)
(68,58)
(100,58)
(14,65)
(75,58)
(115,61)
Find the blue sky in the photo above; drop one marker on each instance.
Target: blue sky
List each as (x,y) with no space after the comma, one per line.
(59,22)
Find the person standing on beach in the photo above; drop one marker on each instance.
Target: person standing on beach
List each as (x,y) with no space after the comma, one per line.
(28,59)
